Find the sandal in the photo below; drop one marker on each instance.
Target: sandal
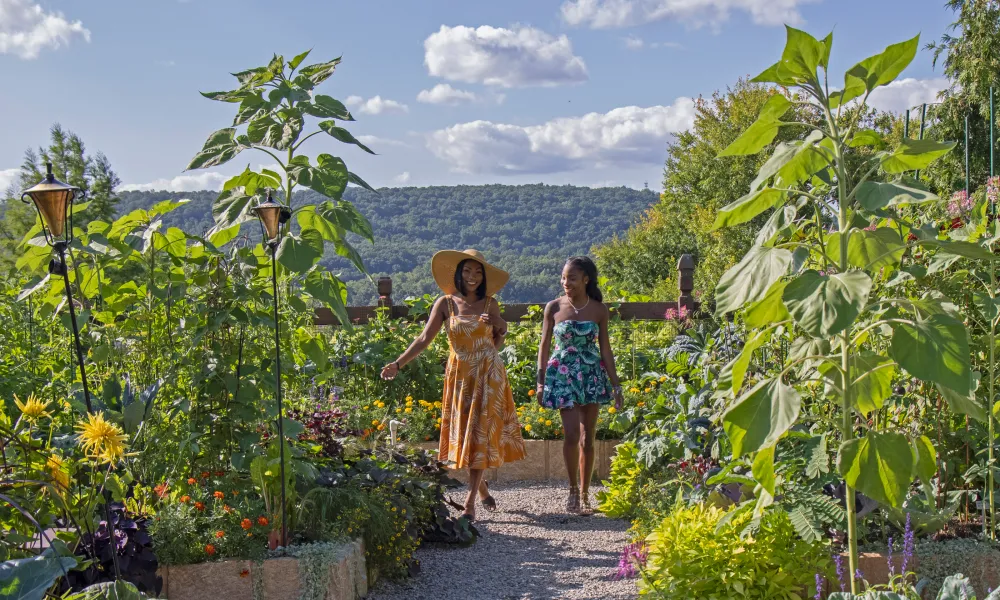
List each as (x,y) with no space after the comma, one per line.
(488,501)
(573,502)
(471,518)
(585,507)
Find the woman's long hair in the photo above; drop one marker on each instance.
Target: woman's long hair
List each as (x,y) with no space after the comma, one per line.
(583,263)
(460,285)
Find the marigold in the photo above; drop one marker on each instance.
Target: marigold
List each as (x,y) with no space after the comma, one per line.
(220,534)
(185,499)
(531,393)
(437,426)
(219,495)
(199,505)
(612,410)
(640,404)
(205,474)
(409,402)
(246,524)
(375,422)
(220,473)
(101,440)
(192,481)
(209,549)
(227,509)
(409,398)
(408,410)
(548,423)
(527,427)
(161,490)
(262,521)
(32,409)
(381,426)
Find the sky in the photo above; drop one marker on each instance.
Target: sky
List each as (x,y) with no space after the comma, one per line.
(447,92)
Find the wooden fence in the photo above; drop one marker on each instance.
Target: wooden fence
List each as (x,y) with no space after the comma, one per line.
(629,311)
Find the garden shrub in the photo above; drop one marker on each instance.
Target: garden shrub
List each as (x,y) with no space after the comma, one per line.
(694,554)
(620,496)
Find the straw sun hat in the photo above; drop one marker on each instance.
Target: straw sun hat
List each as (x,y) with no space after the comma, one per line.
(445,263)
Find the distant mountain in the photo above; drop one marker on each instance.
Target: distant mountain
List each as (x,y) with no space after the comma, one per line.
(529,230)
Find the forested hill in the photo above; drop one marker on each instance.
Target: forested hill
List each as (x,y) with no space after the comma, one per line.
(528,230)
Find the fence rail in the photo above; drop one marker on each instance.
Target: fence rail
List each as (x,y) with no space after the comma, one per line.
(628,311)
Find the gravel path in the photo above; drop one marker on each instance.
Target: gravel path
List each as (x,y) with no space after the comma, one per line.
(529,548)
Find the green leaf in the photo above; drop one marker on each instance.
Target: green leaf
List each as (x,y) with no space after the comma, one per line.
(219,148)
(341,134)
(295,62)
(867,138)
(29,578)
(748,207)
(230,96)
(327,107)
(132,416)
(871,379)
(751,278)
(319,73)
(328,177)
(934,349)
(883,68)
(291,428)
(804,347)
(868,249)
(346,216)
(926,465)
(764,129)
(966,249)
(802,55)
(252,182)
(879,465)
(330,290)
(232,207)
(251,108)
(779,220)
(873,195)
(914,155)
(738,367)
(360,182)
(964,403)
(769,309)
(298,253)
(824,305)
(761,416)
(220,236)
(763,468)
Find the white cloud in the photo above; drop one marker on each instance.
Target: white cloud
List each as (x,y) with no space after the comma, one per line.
(443,93)
(610,14)
(907,93)
(403,177)
(374,140)
(8,177)
(208,180)
(26,29)
(519,57)
(624,136)
(377,105)
(634,43)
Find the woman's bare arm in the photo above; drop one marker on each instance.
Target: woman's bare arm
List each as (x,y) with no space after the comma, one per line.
(499,325)
(434,323)
(607,356)
(544,348)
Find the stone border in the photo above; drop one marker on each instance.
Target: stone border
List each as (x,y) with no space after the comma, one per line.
(544,462)
(272,579)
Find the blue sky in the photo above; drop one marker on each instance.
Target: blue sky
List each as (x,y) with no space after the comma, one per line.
(587,92)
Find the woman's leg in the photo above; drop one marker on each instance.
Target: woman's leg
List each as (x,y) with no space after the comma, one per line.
(588,431)
(475,479)
(571,446)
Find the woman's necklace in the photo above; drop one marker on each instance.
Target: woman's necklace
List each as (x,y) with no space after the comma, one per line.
(575,309)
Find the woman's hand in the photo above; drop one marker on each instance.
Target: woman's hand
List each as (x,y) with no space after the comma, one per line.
(619,396)
(390,371)
(540,394)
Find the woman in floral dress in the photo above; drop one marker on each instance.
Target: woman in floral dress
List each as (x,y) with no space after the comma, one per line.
(580,377)
(479,428)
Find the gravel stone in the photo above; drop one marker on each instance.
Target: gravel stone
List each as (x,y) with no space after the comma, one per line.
(529,548)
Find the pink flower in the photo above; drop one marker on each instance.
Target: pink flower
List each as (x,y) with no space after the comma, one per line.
(579,376)
(671,314)
(554,362)
(683,312)
(571,349)
(563,369)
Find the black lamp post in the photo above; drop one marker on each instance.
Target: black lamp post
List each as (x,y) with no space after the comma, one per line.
(272,216)
(53,200)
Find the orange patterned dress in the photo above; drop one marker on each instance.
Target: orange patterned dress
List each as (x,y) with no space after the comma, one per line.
(479,428)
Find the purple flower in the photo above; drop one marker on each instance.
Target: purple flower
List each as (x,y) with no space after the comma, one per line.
(908,543)
(579,375)
(819,587)
(892,566)
(859,575)
(633,557)
(838,560)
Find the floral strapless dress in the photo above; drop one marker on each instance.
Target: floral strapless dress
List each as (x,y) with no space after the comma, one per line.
(575,375)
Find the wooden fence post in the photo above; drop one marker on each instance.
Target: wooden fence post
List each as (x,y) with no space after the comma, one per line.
(385,295)
(685,281)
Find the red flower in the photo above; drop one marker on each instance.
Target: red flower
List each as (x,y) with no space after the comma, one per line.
(161,490)
(185,499)
(220,534)
(227,508)
(262,521)
(220,473)
(245,573)
(246,524)
(199,505)
(204,474)
(219,495)
(191,481)
(209,549)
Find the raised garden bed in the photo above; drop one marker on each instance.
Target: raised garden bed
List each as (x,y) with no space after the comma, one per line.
(544,462)
(323,571)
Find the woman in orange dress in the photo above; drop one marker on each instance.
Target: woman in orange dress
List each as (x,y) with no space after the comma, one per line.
(479,428)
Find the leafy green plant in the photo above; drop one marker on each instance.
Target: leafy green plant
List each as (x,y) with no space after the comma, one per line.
(693,555)
(818,267)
